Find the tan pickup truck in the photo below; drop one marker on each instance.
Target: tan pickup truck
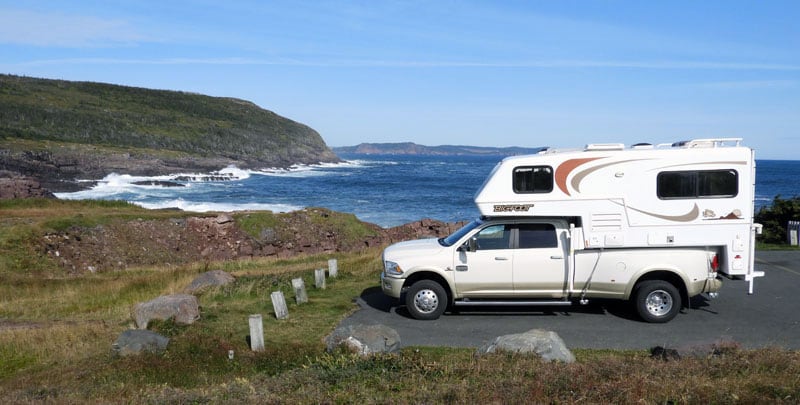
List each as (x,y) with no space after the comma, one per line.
(538,261)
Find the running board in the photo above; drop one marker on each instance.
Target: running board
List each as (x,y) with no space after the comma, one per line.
(513,303)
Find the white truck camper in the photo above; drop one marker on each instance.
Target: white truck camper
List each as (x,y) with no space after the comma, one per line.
(653,224)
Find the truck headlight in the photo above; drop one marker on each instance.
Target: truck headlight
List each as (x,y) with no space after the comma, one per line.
(392,268)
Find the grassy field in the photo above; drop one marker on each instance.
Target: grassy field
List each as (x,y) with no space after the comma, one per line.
(56,333)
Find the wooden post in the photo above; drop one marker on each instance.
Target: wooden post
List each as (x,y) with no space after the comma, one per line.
(279,305)
(333,268)
(319,278)
(299,290)
(256,333)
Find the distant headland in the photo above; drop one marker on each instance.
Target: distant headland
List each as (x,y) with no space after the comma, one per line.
(410,148)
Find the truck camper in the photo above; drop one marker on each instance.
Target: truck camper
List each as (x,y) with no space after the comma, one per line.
(653,224)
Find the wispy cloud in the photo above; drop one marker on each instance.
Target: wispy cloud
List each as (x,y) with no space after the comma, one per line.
(24,27)
(535,64)
(750,84)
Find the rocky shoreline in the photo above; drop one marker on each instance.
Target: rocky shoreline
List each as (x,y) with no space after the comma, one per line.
(60,170)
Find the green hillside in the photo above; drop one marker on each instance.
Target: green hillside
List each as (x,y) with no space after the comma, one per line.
(120,117)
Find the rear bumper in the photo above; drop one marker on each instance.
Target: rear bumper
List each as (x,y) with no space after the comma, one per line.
(711,285)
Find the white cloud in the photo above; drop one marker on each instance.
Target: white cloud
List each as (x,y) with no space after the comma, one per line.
(22,27)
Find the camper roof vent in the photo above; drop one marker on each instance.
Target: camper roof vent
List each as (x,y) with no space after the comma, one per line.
(708,143)
(605,146)
(642,145)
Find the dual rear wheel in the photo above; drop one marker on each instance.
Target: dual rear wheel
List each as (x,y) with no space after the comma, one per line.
(657,301)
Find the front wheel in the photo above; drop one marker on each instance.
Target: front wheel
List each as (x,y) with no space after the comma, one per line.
(426,300)
(657,301)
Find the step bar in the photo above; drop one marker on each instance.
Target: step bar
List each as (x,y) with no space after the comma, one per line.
(469,303)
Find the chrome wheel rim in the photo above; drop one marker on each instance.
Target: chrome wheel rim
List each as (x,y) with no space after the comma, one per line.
(658,303)
(426,301)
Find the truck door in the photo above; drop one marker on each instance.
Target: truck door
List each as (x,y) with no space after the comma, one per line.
(486,269)
(539,268)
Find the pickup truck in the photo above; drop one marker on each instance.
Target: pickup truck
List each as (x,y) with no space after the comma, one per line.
(538,261)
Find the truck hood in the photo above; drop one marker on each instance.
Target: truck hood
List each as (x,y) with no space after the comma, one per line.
(412,248)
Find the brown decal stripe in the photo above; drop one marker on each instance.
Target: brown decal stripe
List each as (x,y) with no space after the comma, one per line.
(563,170)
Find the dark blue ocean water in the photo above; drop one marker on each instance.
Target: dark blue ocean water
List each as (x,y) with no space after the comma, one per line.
(386,190)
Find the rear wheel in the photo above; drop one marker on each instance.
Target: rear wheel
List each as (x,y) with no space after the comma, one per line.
(426,300)
(657,301)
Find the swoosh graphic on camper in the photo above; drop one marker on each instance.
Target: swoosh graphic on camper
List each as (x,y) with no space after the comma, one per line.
(687,217)
(564,169)
(578,178)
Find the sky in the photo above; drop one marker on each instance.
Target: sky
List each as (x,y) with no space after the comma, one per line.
(558,73)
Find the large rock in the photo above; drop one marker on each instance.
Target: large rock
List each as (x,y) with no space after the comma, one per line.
(183,308)
(13,185)
(546,344)
(133,341)
(364,339)
(214,278)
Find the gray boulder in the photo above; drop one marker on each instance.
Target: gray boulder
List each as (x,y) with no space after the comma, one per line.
(134,341)
(214,278)
(546,344)
(364,339)
(183,308)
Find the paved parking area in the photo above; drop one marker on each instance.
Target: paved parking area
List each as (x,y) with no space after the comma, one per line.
(769,317)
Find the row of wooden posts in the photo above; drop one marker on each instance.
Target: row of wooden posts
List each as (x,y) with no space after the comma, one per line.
(279,303)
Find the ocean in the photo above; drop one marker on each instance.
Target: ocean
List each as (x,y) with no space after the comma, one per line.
(385,190)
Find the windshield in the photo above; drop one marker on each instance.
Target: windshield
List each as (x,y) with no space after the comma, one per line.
(455,236)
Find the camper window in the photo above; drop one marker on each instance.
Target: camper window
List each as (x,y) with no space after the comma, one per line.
(533,179)
(698,184)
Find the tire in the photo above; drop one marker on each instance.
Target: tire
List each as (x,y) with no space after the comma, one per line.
(657,301)
(426,300)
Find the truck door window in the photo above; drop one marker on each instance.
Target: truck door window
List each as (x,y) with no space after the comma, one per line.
(533,179)
(537,236)
(493,237)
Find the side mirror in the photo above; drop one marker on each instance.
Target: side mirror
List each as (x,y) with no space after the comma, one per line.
(470,245)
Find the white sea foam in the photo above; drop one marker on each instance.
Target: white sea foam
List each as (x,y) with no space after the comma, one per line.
(301,170)
(198,206)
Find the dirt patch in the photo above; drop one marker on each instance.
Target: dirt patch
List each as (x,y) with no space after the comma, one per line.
(123,244)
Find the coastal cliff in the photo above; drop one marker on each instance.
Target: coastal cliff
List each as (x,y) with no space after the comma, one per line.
(57,131)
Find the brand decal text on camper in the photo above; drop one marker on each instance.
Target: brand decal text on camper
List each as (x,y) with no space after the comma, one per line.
(513,207)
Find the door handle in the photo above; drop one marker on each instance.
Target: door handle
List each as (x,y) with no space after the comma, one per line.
(500,258)
(462,268)
(556,257)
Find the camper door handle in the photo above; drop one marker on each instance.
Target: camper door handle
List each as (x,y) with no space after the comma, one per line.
(556,257)
(500,258)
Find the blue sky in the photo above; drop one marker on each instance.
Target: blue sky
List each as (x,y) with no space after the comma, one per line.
(489,73)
